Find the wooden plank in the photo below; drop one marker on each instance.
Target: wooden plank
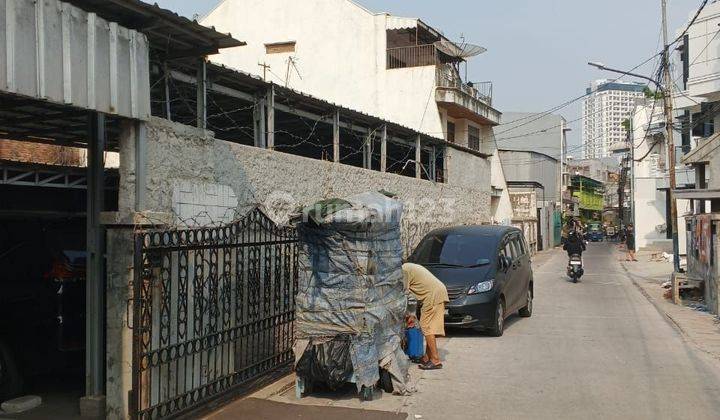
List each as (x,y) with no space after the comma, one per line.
(280,47)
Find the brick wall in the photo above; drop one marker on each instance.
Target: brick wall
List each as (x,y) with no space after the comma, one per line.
(28,152)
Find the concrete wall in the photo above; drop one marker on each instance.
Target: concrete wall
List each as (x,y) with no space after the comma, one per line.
(194,179)
(203,180)
(502,211)
(408,98)
(650,213)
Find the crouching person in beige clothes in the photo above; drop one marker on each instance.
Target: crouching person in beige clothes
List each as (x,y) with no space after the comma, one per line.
(432,293)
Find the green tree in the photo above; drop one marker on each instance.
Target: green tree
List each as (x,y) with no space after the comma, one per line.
(652,94)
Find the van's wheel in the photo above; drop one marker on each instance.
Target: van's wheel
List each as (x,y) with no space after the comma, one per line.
(526,312)
(499,325)
(11,382)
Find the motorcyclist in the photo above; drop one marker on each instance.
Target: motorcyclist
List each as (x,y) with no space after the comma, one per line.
(574,245)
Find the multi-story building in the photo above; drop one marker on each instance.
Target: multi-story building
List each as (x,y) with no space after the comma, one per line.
(697,103)
(533,152)
(532,173)
(649,180)
(387,66)
(599,169)
(542,134)
(590,192)
(608,104)
(697,90)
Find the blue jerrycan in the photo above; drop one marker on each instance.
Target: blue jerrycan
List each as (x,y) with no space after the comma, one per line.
(415,343)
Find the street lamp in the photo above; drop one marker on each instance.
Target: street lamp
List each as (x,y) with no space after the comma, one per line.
(602,66)
(667,99)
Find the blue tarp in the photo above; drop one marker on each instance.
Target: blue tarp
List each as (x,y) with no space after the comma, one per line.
(350,283)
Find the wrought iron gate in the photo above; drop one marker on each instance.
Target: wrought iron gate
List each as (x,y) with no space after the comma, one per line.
(213,311)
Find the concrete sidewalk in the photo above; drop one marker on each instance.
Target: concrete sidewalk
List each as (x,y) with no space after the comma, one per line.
(334,405)
(699,328)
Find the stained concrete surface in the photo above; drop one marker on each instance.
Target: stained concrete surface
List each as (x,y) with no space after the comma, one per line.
(597,349)
(258,409)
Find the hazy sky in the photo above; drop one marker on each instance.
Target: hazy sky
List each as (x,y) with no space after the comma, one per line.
(537,49)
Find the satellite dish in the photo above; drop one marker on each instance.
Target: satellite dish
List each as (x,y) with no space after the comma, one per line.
(460,50)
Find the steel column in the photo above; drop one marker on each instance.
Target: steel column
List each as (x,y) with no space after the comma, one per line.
(418,156)
(433,164)
(259,126)
(95,274)
(383,150)
(445,157)
(270,103)
(367,150)
(202,94)
(166,77)
(336,136)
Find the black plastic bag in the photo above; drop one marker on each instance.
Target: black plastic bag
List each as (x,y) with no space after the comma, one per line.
(327,363)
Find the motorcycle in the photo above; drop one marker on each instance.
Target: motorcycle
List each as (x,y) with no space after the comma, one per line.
(575,268)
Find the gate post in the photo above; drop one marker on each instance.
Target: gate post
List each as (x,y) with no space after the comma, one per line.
(120,311)
(92,403)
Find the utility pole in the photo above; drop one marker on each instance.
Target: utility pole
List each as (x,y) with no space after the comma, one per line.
(631,138)
(667,98)
(265,66)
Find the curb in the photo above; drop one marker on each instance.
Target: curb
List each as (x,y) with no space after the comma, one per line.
(668,317)
(276,388)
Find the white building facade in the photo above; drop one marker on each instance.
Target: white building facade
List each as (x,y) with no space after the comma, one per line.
(650,181)
(697,91)
(393,67)
(607,105)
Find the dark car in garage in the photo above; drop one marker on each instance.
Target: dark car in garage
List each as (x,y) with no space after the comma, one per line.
(487,272)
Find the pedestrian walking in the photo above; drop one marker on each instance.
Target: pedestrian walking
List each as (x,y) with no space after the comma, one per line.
(432,295)
(630,242)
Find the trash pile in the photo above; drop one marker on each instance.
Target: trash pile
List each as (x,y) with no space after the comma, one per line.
(351,303)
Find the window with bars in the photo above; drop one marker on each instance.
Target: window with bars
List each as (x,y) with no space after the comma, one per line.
(473,137)
(451,132)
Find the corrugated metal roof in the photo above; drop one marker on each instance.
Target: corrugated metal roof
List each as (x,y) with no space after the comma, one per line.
(57,52)
(162,26)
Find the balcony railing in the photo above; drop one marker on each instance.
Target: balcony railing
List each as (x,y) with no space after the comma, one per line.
(447,77)
(412,56)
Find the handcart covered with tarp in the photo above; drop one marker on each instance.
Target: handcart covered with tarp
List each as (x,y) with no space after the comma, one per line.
(351,301)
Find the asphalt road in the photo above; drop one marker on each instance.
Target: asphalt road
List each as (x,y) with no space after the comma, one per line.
(592,350)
